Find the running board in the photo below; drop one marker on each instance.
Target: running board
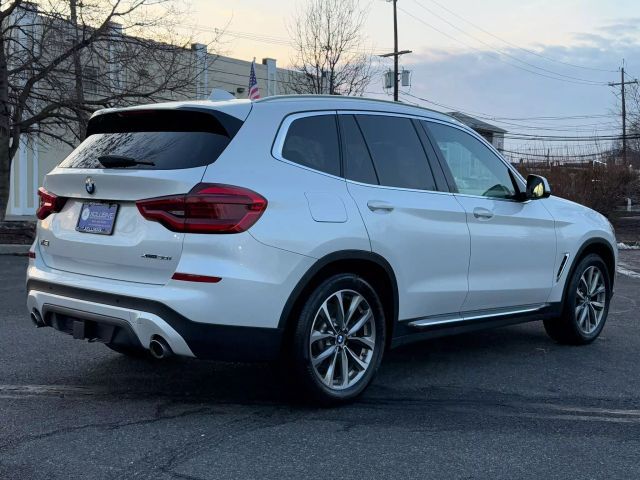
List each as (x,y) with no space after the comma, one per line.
(477,315)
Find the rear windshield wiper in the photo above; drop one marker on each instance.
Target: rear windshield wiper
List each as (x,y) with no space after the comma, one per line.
(120,161)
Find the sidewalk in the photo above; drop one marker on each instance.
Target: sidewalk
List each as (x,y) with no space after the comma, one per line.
(17,233)
(13,249)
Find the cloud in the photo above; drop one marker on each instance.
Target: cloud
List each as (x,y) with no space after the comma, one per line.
(485,83)
(622,26)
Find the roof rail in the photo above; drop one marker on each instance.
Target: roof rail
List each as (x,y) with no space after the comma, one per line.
(276,98)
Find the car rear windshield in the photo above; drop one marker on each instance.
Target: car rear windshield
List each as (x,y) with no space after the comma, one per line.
(159,140)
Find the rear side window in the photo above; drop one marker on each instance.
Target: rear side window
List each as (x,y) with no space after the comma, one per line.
(398,155)
(161,140)
(358,165)
(313,142)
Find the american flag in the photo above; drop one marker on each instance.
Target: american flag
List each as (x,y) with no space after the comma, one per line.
(254,91)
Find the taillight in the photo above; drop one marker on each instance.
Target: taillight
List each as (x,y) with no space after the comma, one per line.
(207,208)
(49,203)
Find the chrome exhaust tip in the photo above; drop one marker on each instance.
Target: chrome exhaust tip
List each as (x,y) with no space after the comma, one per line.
(159,348)
(36,318)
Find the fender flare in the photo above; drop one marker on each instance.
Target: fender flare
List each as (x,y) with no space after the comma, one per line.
(590,242)
(336,257)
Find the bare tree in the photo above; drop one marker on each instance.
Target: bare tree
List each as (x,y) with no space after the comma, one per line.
(60,60)
(633,125)
(328,39)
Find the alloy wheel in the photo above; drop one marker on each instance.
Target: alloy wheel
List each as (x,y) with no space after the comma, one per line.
(342,339)
(591,297)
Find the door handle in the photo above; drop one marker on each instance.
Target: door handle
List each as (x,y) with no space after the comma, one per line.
(379,205)
(482,213)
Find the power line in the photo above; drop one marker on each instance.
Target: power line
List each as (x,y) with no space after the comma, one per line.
(532,137)
(254,37)
(531,52)
(550,155)
(498,57)
(496,119)
(552,138)
(502,52)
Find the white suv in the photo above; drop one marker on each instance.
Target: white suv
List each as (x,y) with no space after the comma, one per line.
(321,230)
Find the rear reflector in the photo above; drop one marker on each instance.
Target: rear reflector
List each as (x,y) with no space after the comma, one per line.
(32,254)
(49,203)
(207,208)
(187,277)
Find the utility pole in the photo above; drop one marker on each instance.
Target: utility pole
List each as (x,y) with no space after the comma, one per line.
(624,111)
(396,53)
(395,50)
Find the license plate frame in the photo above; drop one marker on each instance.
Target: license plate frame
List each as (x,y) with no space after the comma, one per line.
(98,218)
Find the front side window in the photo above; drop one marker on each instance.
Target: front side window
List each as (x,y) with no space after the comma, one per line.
(313,142)
(398,155)
(476,170)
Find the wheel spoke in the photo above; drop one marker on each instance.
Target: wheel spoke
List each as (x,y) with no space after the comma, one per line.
(325,311)
(340,320)
(328,377)
(583,280)
(601,289)
(324,355)
(595,281)
(589,278)
(344,363)
(356,300)
(360,323)
(316,336)
(355,358)
(584,314)
(581,296)
(368,342)
(598,305)
(593,318)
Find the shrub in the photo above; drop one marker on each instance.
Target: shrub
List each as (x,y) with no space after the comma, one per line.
(600,187)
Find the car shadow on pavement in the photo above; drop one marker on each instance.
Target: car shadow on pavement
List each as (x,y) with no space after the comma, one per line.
(190,380)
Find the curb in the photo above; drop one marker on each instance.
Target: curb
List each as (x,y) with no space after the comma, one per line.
(9,249)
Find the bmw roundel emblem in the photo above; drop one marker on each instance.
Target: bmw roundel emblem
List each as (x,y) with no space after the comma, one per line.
(89,186)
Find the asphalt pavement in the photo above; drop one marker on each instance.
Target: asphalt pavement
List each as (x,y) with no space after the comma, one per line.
(506,403)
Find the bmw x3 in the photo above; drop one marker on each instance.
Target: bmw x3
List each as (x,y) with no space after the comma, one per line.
(317,230)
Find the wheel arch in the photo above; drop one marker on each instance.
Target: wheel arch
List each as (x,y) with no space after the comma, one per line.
(602,248)
(371,266)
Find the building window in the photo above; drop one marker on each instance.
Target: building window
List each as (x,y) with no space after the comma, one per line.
(90,79)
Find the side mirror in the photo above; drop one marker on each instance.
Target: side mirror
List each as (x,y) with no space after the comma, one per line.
(537,187)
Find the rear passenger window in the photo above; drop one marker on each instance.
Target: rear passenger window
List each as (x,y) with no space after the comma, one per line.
(358,165)
(313,142)
(398,155)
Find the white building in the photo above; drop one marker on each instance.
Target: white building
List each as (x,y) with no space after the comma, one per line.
(35,157)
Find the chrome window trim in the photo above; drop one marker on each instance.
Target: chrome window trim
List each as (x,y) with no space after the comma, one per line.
(402,189)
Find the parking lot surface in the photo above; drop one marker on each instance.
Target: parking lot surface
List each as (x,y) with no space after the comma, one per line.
(506,403)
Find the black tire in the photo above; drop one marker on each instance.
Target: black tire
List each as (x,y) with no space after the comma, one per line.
(568,328)
(133,352)
(302,349)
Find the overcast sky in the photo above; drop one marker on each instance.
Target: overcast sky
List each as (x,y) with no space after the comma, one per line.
(472,55)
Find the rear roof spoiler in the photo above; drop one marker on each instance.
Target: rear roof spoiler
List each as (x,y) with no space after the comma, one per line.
(192,119)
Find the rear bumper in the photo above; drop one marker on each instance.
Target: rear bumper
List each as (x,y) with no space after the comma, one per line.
(130,321)
(234,319)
